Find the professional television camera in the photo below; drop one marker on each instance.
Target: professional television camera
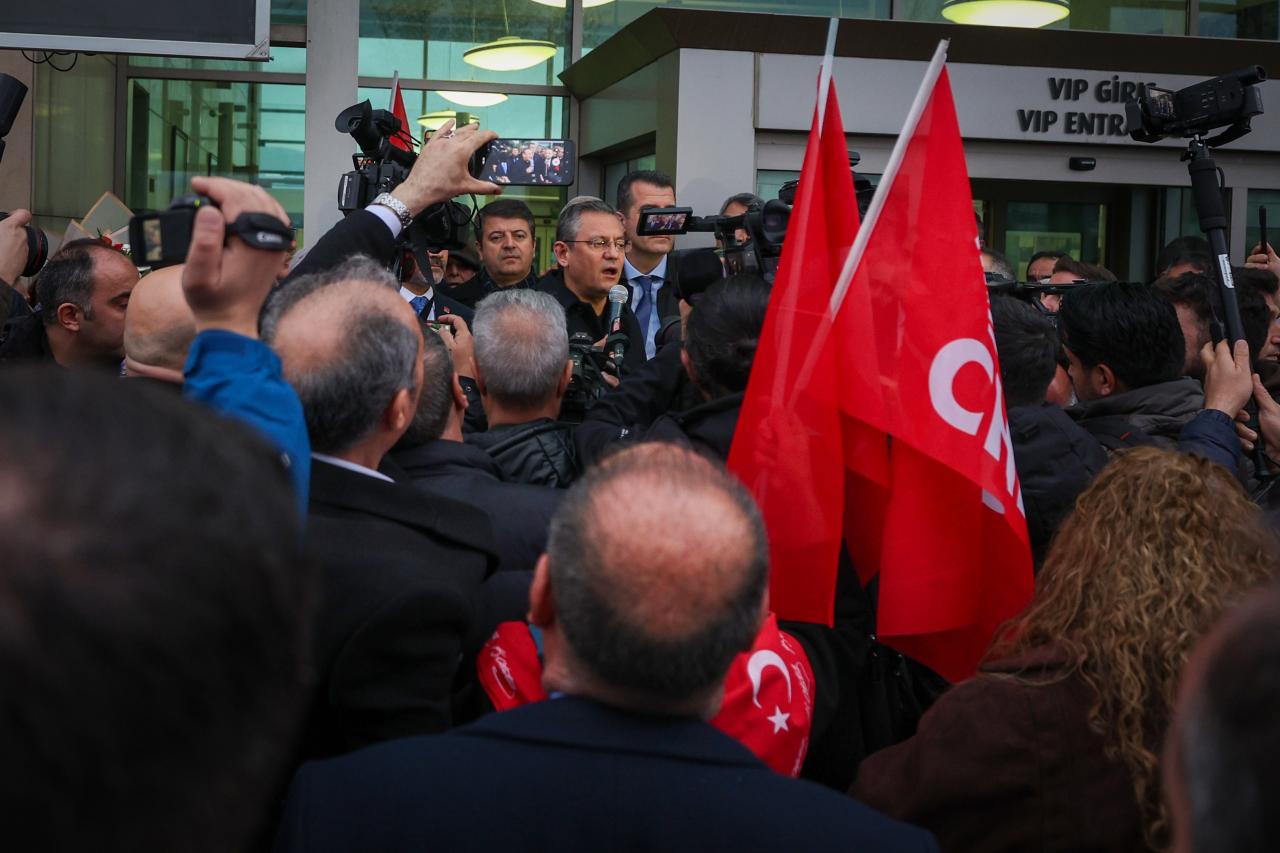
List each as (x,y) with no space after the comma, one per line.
(694,270)
(381,167)
(585,384)
(1231,102)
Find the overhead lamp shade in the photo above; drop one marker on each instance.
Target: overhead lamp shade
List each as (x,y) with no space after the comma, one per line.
(432,121)
(1006,13)
(509,53)
(586,4)
(473,99)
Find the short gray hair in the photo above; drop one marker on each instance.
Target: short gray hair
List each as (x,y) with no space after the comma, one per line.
(372,361)
(521,346)
(570,222)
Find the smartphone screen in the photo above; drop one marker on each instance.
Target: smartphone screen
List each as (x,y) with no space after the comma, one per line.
(664,220)
(527,162)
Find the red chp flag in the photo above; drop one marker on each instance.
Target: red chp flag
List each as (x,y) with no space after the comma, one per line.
(787,446)
(400,140)
(949,538)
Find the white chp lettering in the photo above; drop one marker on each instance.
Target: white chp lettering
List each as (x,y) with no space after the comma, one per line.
(947,364)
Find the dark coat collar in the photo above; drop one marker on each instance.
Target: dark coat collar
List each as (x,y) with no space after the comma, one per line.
(441,457)
(337,488)
(582,723)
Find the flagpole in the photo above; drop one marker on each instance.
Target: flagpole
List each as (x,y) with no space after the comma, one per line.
(828,64)
(868,226)
(395,82)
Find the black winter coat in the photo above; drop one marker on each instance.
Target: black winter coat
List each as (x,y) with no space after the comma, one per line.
(539,453)
(1056,460)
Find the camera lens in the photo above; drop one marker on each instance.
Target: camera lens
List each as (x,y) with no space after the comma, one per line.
(37,249)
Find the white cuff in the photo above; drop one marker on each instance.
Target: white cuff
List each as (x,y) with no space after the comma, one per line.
(388,216)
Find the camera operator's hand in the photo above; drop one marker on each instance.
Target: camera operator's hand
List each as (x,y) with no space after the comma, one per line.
(1228,378)
(1268,422)
(442,169)
(226,285)
(1260,260)
(13,245)
(460,343)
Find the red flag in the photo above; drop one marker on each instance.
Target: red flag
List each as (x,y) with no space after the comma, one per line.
(787,448)
(400,141)
(946,532)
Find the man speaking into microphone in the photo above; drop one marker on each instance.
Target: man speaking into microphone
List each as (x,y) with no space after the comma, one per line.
(590,247)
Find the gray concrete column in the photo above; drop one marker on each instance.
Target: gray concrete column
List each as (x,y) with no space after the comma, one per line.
(715,145)
(333,41)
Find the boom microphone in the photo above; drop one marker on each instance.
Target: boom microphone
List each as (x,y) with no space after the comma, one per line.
(617,339)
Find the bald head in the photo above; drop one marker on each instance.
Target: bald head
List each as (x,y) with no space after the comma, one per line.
(158,325)
(349,345)
(657,563)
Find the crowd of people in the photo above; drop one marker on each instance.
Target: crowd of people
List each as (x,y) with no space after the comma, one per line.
(528,163)
(333,552)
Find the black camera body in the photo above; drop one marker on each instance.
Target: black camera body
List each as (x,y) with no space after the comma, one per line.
(381,167)
(586,384)
(1229,101)
(163,239)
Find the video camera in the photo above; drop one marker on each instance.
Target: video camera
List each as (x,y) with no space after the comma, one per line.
(586,384)
(381,167)
(1229,101)
(694,270)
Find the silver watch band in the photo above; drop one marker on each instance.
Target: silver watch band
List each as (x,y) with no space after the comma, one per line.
(396,206)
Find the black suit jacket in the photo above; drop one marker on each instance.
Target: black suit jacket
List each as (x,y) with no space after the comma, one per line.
(519,513)
(446,304)
(403,573)
(581,317)
(360,233)
(570,774)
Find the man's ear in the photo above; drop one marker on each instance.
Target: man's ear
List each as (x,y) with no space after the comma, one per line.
(561,251)
(399,412)
(1105,380)
(688,365)
(565,378)
(542,608)
(479,378)
(70,316)
(459,396)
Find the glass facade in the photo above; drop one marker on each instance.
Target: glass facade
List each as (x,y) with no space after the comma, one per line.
(178,129)
(427,40)
(1270,199)
(1247,19)
(1155,17)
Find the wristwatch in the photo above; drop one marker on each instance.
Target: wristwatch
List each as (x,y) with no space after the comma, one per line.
(396,206)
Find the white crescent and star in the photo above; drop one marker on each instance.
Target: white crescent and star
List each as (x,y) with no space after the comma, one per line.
(756,665)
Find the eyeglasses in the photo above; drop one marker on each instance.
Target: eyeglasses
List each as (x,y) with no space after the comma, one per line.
(599,244)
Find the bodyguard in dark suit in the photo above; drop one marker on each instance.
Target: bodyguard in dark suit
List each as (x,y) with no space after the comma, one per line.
(639,624)
(403,572)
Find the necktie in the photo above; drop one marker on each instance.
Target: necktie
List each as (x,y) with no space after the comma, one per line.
(418,303)
(644,306)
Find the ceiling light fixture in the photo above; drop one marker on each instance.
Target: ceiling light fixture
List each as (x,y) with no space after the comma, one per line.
(509,53)
(586,4)
(433,121)
(1006,13)
(473,99)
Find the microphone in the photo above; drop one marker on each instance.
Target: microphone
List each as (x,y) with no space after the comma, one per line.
(617,339)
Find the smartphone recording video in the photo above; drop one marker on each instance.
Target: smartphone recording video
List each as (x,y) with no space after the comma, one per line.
(526,162)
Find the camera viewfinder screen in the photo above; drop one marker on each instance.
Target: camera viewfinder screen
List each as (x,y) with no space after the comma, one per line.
(153,246)
(665,223)
(529,162)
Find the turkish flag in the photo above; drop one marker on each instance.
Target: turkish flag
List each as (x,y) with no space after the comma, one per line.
(788,446)
(945,529)
(400,141)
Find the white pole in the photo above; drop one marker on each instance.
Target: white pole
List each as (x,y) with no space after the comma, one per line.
(828,63)
(890,173)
